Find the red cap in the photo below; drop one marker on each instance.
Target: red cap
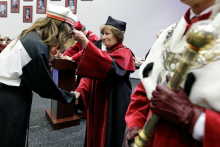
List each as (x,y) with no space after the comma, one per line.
(1,39)
(78,26)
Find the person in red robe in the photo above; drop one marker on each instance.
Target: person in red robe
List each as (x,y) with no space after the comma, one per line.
(190,116)
(74,53)
(2,46)
(107,85)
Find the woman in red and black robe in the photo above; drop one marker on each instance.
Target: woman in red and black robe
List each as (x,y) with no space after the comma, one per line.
(106,90)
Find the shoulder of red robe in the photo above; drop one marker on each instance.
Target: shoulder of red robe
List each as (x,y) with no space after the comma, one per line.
(61,13)
(124,58)
(92,36)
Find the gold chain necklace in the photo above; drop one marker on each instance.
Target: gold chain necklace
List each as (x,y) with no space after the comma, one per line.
(165,52)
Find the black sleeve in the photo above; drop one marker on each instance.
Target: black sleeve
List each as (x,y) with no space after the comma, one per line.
(36,75)
(98,44)
(116,70)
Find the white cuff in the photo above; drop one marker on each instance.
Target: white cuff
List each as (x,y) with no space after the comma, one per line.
(199,128)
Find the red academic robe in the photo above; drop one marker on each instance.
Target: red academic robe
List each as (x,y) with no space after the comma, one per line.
(167,134)
(75,51)
(105,93)
(2,47)
(84,89)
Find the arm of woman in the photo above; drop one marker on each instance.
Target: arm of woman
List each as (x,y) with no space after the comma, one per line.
(36,75)
(73,49)
(94,63)
(84,90)
(99,65)
(137,113)
(138,109)
(211,131)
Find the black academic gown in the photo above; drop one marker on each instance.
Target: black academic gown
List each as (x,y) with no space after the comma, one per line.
(28,71)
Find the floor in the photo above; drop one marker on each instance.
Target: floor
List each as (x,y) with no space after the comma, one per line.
(41,134)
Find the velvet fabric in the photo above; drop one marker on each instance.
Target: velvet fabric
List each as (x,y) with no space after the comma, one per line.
(2,47)
(121,59)
(167,134)
(122,55)
(116,23)
(78,26)
(108,97)
(84,89)
(98,57)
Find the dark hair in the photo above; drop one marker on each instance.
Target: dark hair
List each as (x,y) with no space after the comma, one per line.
(84,28)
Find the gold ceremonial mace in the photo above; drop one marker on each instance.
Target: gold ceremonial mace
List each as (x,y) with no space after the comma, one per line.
(199,38)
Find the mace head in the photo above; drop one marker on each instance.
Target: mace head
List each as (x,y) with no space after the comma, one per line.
(201,34)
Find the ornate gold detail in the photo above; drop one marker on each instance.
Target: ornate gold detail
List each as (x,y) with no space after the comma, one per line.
(201,35)
(165,54)
(171,61)
(203,47)
(167,43)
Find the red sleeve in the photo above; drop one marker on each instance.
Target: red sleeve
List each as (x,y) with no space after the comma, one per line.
(73,50)
(54,51)
(94,63)
(138,109)
(83,89)
(212,131)
(124,58)
(77,57)
(94,38)
(4,45)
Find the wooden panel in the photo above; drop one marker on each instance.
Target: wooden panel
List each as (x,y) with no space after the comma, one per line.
(66,80)
(62,115)
(58,124)
(60,64)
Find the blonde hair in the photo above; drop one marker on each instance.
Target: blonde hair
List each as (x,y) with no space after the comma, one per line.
(52,32)
(4,39)
(119,35)
(101,27)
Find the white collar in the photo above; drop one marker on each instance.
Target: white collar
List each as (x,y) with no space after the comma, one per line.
(103,47)
(192,14)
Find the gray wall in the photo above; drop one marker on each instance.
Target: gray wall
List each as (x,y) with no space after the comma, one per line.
(144,19)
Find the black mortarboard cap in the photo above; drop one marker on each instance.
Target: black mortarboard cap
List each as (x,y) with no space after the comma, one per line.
(116,23)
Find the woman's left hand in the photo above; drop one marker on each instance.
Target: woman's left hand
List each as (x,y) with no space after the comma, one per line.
(66,58)
(77,94)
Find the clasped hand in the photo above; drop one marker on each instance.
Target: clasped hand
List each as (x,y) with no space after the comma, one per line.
(77,94)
